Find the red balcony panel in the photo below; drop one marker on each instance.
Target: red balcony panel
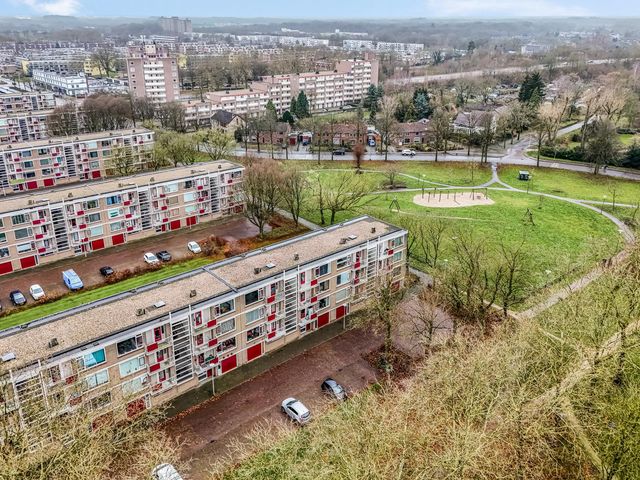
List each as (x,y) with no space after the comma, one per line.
(356,265)
(80,212)
(129,229)
(152,347)
(271,334)
(314,315)
(271,317)
(212,322)
(127,203)
(271,299)
(314,282)
(164,207)
(200,187)
(82,226)
(162,195)
(213,342)
(42,250)
(229,181)
(85,240)
(154,368)
(390,252)
(36,222)
(128,215)
(165,220)
(214,361)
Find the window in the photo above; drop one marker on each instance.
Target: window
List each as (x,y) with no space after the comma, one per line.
(189,197)
(197,318)
(172,201)
(171,188)
(253,297)
(342,294)
(28,164)
(228,344)
(93,217)
(190,209)
(225,307)
(91,204)
(100,401)
(19,219)
(92,359)
(397,257)
(323,286)
(342,262)
(45,161)
(134,386)
(342,278)
(158,333)
(322,270)
(23,233)
(131,366)
(115,212)
(188,184)
(97,379)
(254,315)
(113,200)
(397,271)
(4,252)
(226,326)
(93,154)
(255,333)
(323,303)
(3,237)
(96,231)
(47,171)
(396,242)
(116,227)
(129,345)
(24,247)
(94,165)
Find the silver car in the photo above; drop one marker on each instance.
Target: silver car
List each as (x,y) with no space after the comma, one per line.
(334,389)
(296,411)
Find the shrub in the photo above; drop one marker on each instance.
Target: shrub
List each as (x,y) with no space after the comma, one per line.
(575,154)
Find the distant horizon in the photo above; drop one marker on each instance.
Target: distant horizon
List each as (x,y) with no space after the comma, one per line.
(346,11)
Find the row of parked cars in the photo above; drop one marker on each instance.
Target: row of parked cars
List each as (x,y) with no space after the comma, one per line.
(300,414)
(73,281)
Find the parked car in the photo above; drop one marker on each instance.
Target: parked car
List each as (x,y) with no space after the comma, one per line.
(17,298)
(194,247)
(340,151)
(150,258)
(407,152)
(106,271)
(165,471)
(36,291)
(334,389)
(72,280)
(164,256)
(296,411)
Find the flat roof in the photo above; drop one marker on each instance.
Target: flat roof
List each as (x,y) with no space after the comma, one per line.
(96,320)
(20,201)
(83,137)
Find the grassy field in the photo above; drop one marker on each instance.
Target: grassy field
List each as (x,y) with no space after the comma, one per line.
(565,237)
(450,173)
(579,185)
(75,299)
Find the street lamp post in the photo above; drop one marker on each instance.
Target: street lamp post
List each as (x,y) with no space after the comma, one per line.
(423,185)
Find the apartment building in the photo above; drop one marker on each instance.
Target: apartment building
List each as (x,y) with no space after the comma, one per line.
(60,223)
(326,90)
(140,350)
(23,127)
(17,102)
(176,25)
(153,73)
(72,85)
(58,161)
(396,47)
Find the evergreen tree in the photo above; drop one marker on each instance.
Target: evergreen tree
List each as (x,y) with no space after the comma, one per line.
(372,99)
(471,47)
(631,158)
(287,117)
(271,111)
(421,105)
(302,105)
(293,109)
(532,89)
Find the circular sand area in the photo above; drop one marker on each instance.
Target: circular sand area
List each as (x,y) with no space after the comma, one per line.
(452,199)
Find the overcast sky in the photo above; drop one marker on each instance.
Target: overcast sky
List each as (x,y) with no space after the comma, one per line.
(340,9)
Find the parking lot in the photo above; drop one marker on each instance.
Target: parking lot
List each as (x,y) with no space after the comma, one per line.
(129,255)
(209,430)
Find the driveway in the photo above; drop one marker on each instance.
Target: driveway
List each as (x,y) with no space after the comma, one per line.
(129,255)
(209,429)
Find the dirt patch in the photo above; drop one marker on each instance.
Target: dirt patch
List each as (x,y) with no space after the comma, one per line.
(402,365)
(452,199)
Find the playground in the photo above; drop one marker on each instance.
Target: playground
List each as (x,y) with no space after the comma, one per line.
(448,199)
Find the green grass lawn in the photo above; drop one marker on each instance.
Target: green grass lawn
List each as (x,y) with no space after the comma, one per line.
(75,299)
(565,183)
(450,173)
(566,238)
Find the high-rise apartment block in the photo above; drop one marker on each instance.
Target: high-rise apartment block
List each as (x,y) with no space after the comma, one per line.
(325,90)
(139,350)
(23,127)
(176,25)
(47,163)
(59,223)
(153,73)
(26,102)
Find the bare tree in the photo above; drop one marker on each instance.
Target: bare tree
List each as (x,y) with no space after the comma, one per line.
(426,318)
(294,191)
(106,60)
(440,130)
(515,281)
(603,146)
(175,148)
(63,121)
(344,195)
(121,161)
(386,123)
(261,190)
(171,115)
(216,143)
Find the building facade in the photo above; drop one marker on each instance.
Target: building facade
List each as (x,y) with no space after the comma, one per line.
(153,73)
(176,25)
(62,223)
(142,350)
(24,127)
(72,85)
(58,161)
(26,102)
(326,90)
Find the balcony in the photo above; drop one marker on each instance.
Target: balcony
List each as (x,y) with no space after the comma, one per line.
(160,387)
